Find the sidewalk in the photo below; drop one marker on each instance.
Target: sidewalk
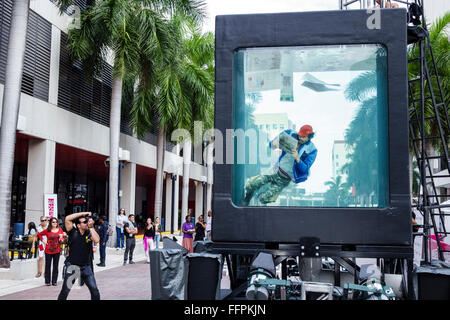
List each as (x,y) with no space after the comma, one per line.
(114,259)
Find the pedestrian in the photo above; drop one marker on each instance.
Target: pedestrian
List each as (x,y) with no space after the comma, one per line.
(149,235)
(200,229)
(52,246)
(80,228)
(188,230)
(157,232)
(103,234)
(120,221)
(209,225)
(41,227)
(130,230)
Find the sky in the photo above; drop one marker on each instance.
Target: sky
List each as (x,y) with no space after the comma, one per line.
(220,7)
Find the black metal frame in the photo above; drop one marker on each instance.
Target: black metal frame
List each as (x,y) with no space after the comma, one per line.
(370,230)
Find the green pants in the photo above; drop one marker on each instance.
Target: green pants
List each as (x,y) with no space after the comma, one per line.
(276,182)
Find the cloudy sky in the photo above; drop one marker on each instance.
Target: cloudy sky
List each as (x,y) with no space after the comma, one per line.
(219,7)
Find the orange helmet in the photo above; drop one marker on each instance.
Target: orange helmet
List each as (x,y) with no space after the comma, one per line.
(305,130)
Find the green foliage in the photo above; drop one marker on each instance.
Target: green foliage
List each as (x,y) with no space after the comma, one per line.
(177,86)
(438,33)
(338,192)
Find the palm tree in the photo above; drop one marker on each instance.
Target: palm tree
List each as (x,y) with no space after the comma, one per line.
(172,88)
(338,192)
(441,48)
(197,80)
(360,141)
(10,115)
(109,25)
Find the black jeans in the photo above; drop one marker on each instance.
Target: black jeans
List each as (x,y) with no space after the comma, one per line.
(71,275)
(48,264)
(130,244)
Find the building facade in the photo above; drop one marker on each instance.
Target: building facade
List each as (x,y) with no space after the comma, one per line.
(62,140)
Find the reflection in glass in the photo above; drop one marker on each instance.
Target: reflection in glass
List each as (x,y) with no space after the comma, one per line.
(310,126)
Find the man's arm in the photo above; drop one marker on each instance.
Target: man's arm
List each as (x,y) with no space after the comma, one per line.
(68,221)
(304,165)
(94,235)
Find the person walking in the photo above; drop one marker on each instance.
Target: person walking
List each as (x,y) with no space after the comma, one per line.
(209,225)
(157,232)
(103,234)
(200,229)
(149,235)
(120,221)
(52,246)
(41,227)
(130,230)
(188,231)
(81,232)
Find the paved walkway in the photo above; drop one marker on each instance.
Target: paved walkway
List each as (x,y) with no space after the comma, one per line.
(115,282)
(130,282)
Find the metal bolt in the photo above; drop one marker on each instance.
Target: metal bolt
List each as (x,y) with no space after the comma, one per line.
(317,254)
(303,247)
(317,247)
(303,253)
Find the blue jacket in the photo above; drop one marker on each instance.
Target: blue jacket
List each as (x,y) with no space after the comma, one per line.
(307,153)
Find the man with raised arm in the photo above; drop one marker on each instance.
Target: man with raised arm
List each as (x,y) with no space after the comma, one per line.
(81,232)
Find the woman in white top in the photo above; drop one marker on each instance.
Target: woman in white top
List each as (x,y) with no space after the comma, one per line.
(120,221)
(41,247)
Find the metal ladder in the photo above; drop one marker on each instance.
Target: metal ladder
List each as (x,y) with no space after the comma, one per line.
(430,201)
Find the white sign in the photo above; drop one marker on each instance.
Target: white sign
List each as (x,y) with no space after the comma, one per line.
(51,205)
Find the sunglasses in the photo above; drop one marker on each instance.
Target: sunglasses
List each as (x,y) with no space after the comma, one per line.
(84,222)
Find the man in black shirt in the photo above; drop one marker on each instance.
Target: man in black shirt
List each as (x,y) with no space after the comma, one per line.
(130,229)
(81,232)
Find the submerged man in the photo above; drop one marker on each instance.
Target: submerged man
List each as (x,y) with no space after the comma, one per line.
(293,165)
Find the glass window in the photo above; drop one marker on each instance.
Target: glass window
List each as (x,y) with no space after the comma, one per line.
(267,127)
(329,94)
(274,126)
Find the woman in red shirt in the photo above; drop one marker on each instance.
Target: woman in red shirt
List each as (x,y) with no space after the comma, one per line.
(52,251)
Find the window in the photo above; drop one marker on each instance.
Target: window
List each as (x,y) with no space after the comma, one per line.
(267,127)
(274,126)
(281,126)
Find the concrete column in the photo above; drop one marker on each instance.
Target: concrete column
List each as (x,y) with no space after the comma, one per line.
(54,66)
(40,177)
(198,199)
(209,161)
(128,199)
(176,222)
(169,203)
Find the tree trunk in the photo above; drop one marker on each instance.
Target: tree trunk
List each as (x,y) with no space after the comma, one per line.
(187,146)
(10,114)
(114,139)
(161,149)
